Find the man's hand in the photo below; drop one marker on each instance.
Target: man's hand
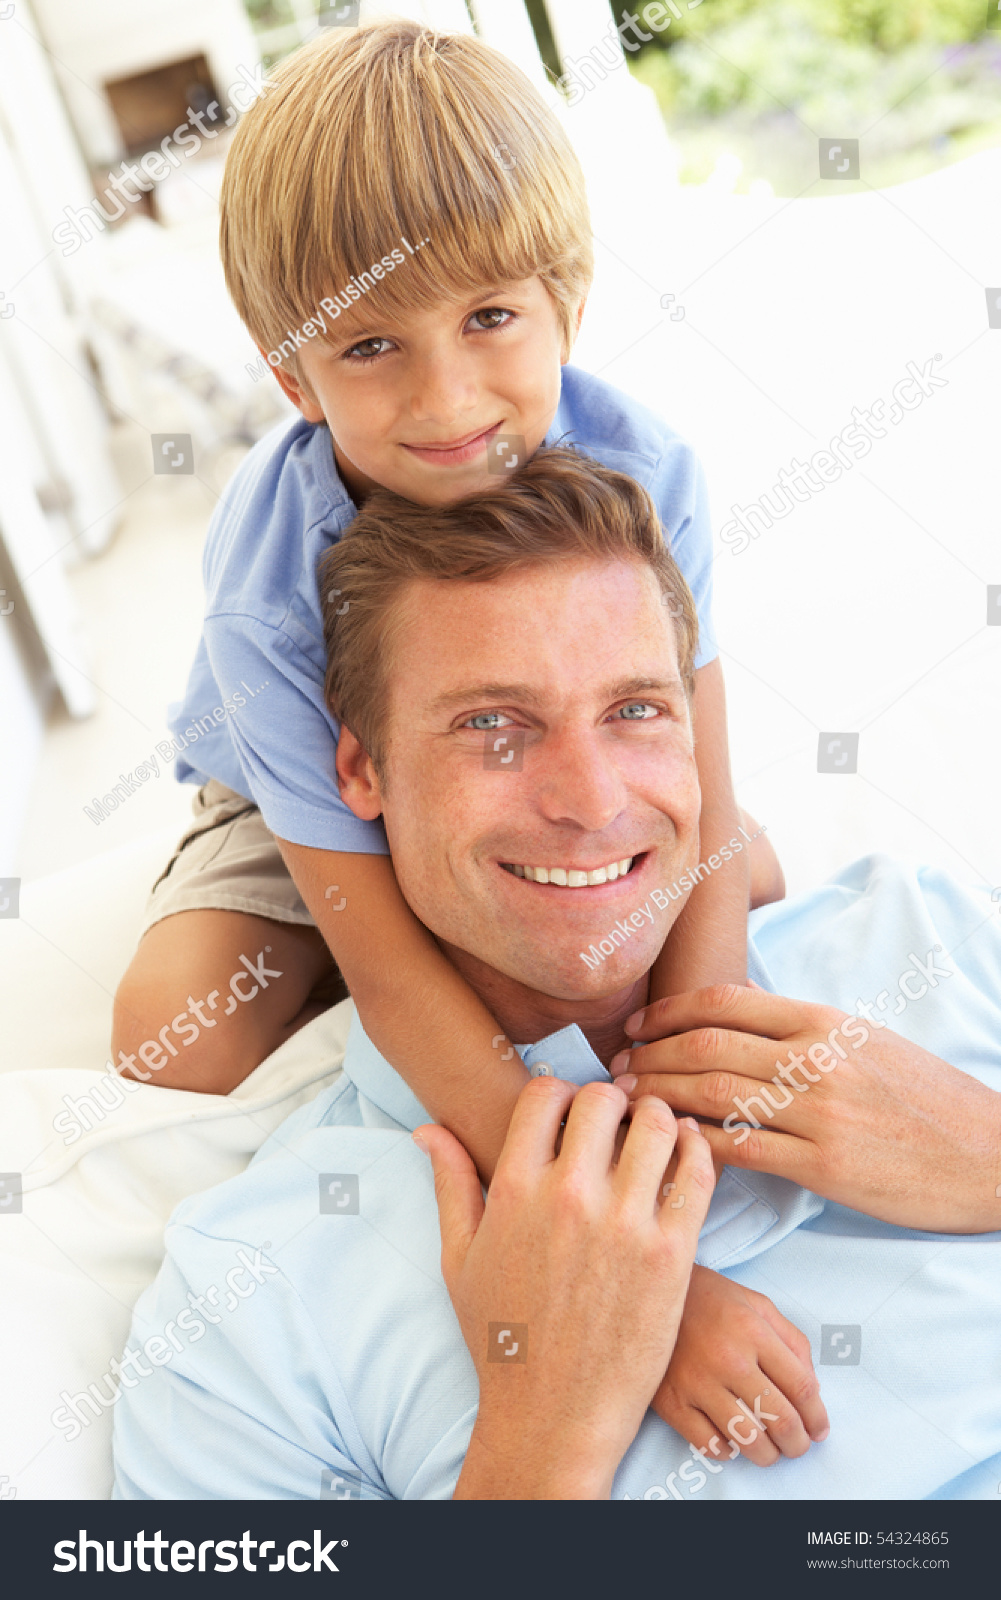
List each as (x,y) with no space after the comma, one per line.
(873,1122)
(577,1261)
(741,1377)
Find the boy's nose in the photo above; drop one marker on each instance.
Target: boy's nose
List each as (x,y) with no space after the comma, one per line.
(444,392)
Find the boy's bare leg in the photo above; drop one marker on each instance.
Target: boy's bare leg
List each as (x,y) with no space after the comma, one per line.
(767,878)
(190,998)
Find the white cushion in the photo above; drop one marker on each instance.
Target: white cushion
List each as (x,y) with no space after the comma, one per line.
(89,1238)
(61,960)
(89,1235)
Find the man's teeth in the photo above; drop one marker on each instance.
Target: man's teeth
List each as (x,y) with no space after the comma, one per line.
(571,877)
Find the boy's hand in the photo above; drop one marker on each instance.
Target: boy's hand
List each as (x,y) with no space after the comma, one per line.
(741,1374)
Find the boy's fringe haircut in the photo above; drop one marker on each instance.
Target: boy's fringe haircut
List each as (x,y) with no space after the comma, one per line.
(396,130)
(561,506)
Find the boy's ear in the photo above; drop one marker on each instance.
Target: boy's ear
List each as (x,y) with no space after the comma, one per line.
(577,322)
(298,393)
(357,777)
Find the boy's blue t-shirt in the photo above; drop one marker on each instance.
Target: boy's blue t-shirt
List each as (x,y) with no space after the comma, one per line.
(253,715)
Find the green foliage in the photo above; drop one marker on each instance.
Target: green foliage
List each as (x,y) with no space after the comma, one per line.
(881,24)
(268,13)
(761,78)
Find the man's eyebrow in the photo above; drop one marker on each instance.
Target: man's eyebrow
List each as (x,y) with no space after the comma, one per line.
(622,688)
(486,691)
(524,694)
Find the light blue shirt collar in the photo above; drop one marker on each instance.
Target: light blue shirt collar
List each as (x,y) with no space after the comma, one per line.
(749,1211)
(566,1051)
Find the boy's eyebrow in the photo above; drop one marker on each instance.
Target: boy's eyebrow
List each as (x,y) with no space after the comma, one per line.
(619,689)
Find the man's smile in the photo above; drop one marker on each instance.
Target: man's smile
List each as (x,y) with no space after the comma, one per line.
(577,877)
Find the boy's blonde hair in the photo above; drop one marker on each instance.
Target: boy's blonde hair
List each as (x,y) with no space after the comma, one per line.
(561,506)
(396,132)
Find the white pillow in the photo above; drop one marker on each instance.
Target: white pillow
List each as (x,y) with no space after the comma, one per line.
(88,1236)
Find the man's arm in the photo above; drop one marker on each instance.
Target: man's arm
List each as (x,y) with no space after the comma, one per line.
(579,1264)
(874,1123)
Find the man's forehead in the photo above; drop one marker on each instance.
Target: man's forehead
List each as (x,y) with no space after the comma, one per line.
(573,630)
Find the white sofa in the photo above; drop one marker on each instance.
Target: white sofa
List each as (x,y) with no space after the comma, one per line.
(82,1213)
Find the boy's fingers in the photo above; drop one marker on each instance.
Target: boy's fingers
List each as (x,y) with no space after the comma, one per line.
(646,1158)
(768,1412)
(726,1005)
(695,1428)
(457,1191)
(739,1420)
(531,1137)
(720,1416)
(795,1383)
(787,1331)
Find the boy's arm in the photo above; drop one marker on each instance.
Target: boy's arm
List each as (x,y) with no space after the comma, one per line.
(708,943)
(417,1010)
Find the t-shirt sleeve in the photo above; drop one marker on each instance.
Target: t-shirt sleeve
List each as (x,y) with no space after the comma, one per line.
(679,491)
(284,736)
(236,1398)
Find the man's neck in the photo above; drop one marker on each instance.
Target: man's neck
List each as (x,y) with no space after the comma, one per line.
(527,1016)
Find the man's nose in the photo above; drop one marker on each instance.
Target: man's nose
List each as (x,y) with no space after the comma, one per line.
(579,782)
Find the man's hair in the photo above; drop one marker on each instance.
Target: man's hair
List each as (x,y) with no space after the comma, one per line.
(395,132)
(561,506)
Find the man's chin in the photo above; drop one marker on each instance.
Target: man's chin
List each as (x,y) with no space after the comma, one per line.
(582,975)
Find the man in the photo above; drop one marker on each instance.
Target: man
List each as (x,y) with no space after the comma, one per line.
(345,1372)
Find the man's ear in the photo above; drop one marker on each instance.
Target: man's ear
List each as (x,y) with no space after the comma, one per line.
(357,777)
(298,393)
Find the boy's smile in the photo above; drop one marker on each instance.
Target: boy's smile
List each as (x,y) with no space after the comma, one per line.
(454,452)
(413,399)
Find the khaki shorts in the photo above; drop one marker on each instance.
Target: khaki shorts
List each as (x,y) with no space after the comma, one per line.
(229,861)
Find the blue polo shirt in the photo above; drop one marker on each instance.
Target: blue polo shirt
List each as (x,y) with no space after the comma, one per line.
(338,1369)
(253,714)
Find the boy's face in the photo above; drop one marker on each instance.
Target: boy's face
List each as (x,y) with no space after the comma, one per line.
(414,401)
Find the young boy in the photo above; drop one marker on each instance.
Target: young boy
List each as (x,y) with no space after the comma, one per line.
(405,233)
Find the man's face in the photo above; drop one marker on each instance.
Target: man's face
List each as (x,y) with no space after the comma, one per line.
(571,670)
(419,403)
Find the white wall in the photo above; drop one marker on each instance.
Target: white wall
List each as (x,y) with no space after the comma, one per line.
(21,733)
(106,39)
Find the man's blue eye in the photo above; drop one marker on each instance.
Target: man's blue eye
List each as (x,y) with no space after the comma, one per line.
(637,710)
(485,721)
